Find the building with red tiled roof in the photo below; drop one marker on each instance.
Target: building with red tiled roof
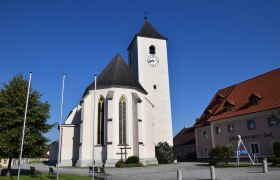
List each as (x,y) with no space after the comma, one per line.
(250,109)
(184,144)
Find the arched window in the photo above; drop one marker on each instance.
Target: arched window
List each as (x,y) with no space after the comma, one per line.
(100,121)
(152,49)
(122,120)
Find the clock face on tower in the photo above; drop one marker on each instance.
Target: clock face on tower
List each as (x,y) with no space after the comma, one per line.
(153,60)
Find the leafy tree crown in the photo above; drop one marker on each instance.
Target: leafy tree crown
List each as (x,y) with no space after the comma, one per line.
(12,107)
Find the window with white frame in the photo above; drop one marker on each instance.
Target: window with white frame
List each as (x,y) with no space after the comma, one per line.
(272,121)
(219,130)
(206,151)
(255,148)
(230,128)
(251,124)
(204,135)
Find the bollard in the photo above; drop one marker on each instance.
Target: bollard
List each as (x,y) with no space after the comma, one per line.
(179,175)
(212,172)
(264,166)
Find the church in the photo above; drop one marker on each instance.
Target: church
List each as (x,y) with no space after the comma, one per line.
(128,113)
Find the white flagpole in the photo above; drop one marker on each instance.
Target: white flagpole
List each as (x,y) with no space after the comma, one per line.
(94,116)
(24,121)
(60,134)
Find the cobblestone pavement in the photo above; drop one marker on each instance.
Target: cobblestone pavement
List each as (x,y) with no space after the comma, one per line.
(190,170)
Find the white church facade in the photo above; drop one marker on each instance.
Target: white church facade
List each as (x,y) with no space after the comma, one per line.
(132,107)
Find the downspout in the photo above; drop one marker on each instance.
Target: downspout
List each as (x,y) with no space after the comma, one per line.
(196,141)
(212,136)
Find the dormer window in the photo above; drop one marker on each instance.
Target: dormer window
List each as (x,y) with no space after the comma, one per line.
(254,101)
(219,98)
(152,49)
(255,98)
(228,105)
(208,113)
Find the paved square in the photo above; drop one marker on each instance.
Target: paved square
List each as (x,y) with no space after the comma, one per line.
(190,170)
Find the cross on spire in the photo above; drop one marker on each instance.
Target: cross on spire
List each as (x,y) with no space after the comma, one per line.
(145,14)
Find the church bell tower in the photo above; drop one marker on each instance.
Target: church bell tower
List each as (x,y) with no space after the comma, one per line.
(148,61)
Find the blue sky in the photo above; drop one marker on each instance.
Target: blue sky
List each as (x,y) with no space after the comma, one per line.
(211,45)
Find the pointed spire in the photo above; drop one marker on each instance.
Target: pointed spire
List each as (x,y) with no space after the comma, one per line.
(145,15)
(149,31)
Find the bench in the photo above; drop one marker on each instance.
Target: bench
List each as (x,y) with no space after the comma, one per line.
(95,170)
(51,174)
(104,174)
(90,169)
(34,172)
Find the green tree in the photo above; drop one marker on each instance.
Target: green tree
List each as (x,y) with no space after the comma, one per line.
(165,153)
(12,107)
(220,155)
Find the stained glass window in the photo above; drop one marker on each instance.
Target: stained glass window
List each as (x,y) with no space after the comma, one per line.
(100,121)
(122,120)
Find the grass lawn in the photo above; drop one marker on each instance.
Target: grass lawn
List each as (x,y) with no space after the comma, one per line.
(45,176)
(34,162)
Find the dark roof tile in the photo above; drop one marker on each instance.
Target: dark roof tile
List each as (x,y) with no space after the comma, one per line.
(116,74)
(149,31)
(185,137)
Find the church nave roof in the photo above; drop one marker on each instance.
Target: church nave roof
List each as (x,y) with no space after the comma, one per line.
(116,74)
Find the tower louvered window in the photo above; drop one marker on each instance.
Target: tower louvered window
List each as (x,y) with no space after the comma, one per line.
(152,50)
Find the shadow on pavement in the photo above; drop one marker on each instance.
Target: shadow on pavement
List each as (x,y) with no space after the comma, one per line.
(14,172)
(206,164)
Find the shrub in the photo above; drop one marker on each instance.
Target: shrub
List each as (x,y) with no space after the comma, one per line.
(276,148)
(165,153)
(120,164)
(132,160)
(274,160)
(269,159)
(220,155)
